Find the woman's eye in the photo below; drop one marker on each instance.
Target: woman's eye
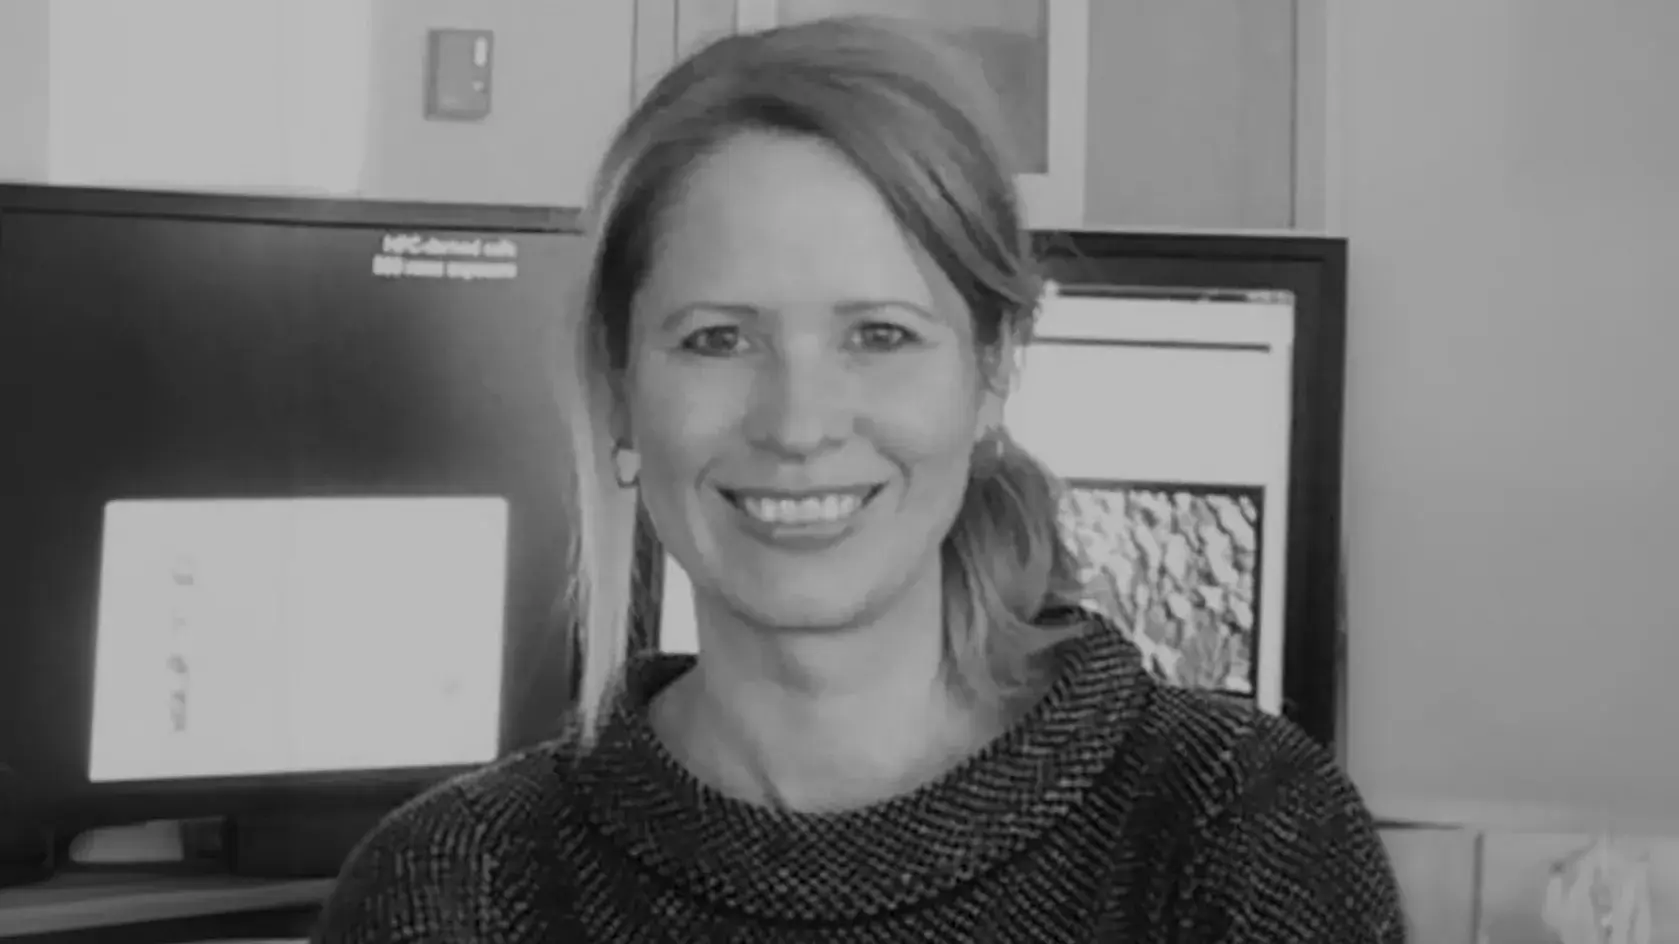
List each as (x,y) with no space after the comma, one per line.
(883,337)
(716,340)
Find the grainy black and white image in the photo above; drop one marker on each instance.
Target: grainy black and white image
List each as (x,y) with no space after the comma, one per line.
(595,470)
(1176,565)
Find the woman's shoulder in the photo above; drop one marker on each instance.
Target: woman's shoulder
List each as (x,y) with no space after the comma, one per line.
(1277,842)
(456,856)
(1217,747)
(1179,743)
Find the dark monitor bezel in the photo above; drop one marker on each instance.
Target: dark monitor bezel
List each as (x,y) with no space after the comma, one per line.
(112,803)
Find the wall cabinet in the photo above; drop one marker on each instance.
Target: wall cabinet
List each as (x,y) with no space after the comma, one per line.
(1033,53)
(562,85)
(1149,114)
(1152,114)
(315,97)
(1193,114)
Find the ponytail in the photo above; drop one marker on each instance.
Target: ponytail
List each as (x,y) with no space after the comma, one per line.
(1006,563)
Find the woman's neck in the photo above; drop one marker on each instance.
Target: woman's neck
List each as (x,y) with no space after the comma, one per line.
(823,721)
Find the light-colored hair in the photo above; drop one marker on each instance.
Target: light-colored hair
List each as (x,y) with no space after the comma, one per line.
(908,111)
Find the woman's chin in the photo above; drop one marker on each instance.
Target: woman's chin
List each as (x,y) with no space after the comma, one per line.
(829,610)
(823,593)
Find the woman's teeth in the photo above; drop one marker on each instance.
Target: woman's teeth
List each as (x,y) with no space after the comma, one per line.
(817,509)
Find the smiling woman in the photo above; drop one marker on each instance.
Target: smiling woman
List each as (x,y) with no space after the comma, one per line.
(810,280)
(842,373)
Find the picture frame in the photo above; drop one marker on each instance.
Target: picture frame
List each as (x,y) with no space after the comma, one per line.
(1305,514)
(1166,413)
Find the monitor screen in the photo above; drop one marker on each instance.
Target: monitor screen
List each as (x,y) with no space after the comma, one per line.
(239,636)
(282,506)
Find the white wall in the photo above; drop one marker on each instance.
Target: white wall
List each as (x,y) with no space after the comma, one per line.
(1507,172)
(244,95)
(23,89)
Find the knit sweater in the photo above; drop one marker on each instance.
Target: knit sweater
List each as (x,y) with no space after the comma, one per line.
(1119,809)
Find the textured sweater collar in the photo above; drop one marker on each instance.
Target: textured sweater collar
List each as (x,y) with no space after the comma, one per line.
(849,865)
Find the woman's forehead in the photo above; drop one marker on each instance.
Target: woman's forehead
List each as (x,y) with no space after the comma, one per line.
(782,220)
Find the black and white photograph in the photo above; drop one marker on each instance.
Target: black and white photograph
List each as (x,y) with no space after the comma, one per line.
(868,471)
(1169,416)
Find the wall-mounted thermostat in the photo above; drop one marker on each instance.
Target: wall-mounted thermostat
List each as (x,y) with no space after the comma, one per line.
(458,66)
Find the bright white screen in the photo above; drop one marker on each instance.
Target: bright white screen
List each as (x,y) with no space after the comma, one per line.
(272,636)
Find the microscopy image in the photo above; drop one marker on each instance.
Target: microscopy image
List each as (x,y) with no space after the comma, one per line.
(1176,565)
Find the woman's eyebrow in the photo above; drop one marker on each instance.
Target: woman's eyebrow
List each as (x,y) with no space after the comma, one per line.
(862,306)
(849,307)
(737,309)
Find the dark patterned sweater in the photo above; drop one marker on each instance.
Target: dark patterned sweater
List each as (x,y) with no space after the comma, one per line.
(1118,810)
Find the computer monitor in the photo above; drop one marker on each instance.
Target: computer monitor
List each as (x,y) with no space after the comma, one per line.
(281,519)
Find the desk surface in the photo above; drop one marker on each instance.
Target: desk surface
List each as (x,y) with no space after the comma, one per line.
(103,899)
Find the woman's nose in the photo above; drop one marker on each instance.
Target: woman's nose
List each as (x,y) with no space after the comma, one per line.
(802,402)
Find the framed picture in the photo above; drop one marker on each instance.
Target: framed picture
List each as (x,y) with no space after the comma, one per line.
(1197,366)
(1167,413)
(1034,53)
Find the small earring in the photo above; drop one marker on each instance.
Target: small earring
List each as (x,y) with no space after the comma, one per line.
(626,466)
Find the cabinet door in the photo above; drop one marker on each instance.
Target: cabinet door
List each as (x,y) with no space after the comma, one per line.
(1192,115)
(327,97)
(1033,53)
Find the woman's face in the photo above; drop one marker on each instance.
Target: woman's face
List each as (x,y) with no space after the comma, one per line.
(803,388)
